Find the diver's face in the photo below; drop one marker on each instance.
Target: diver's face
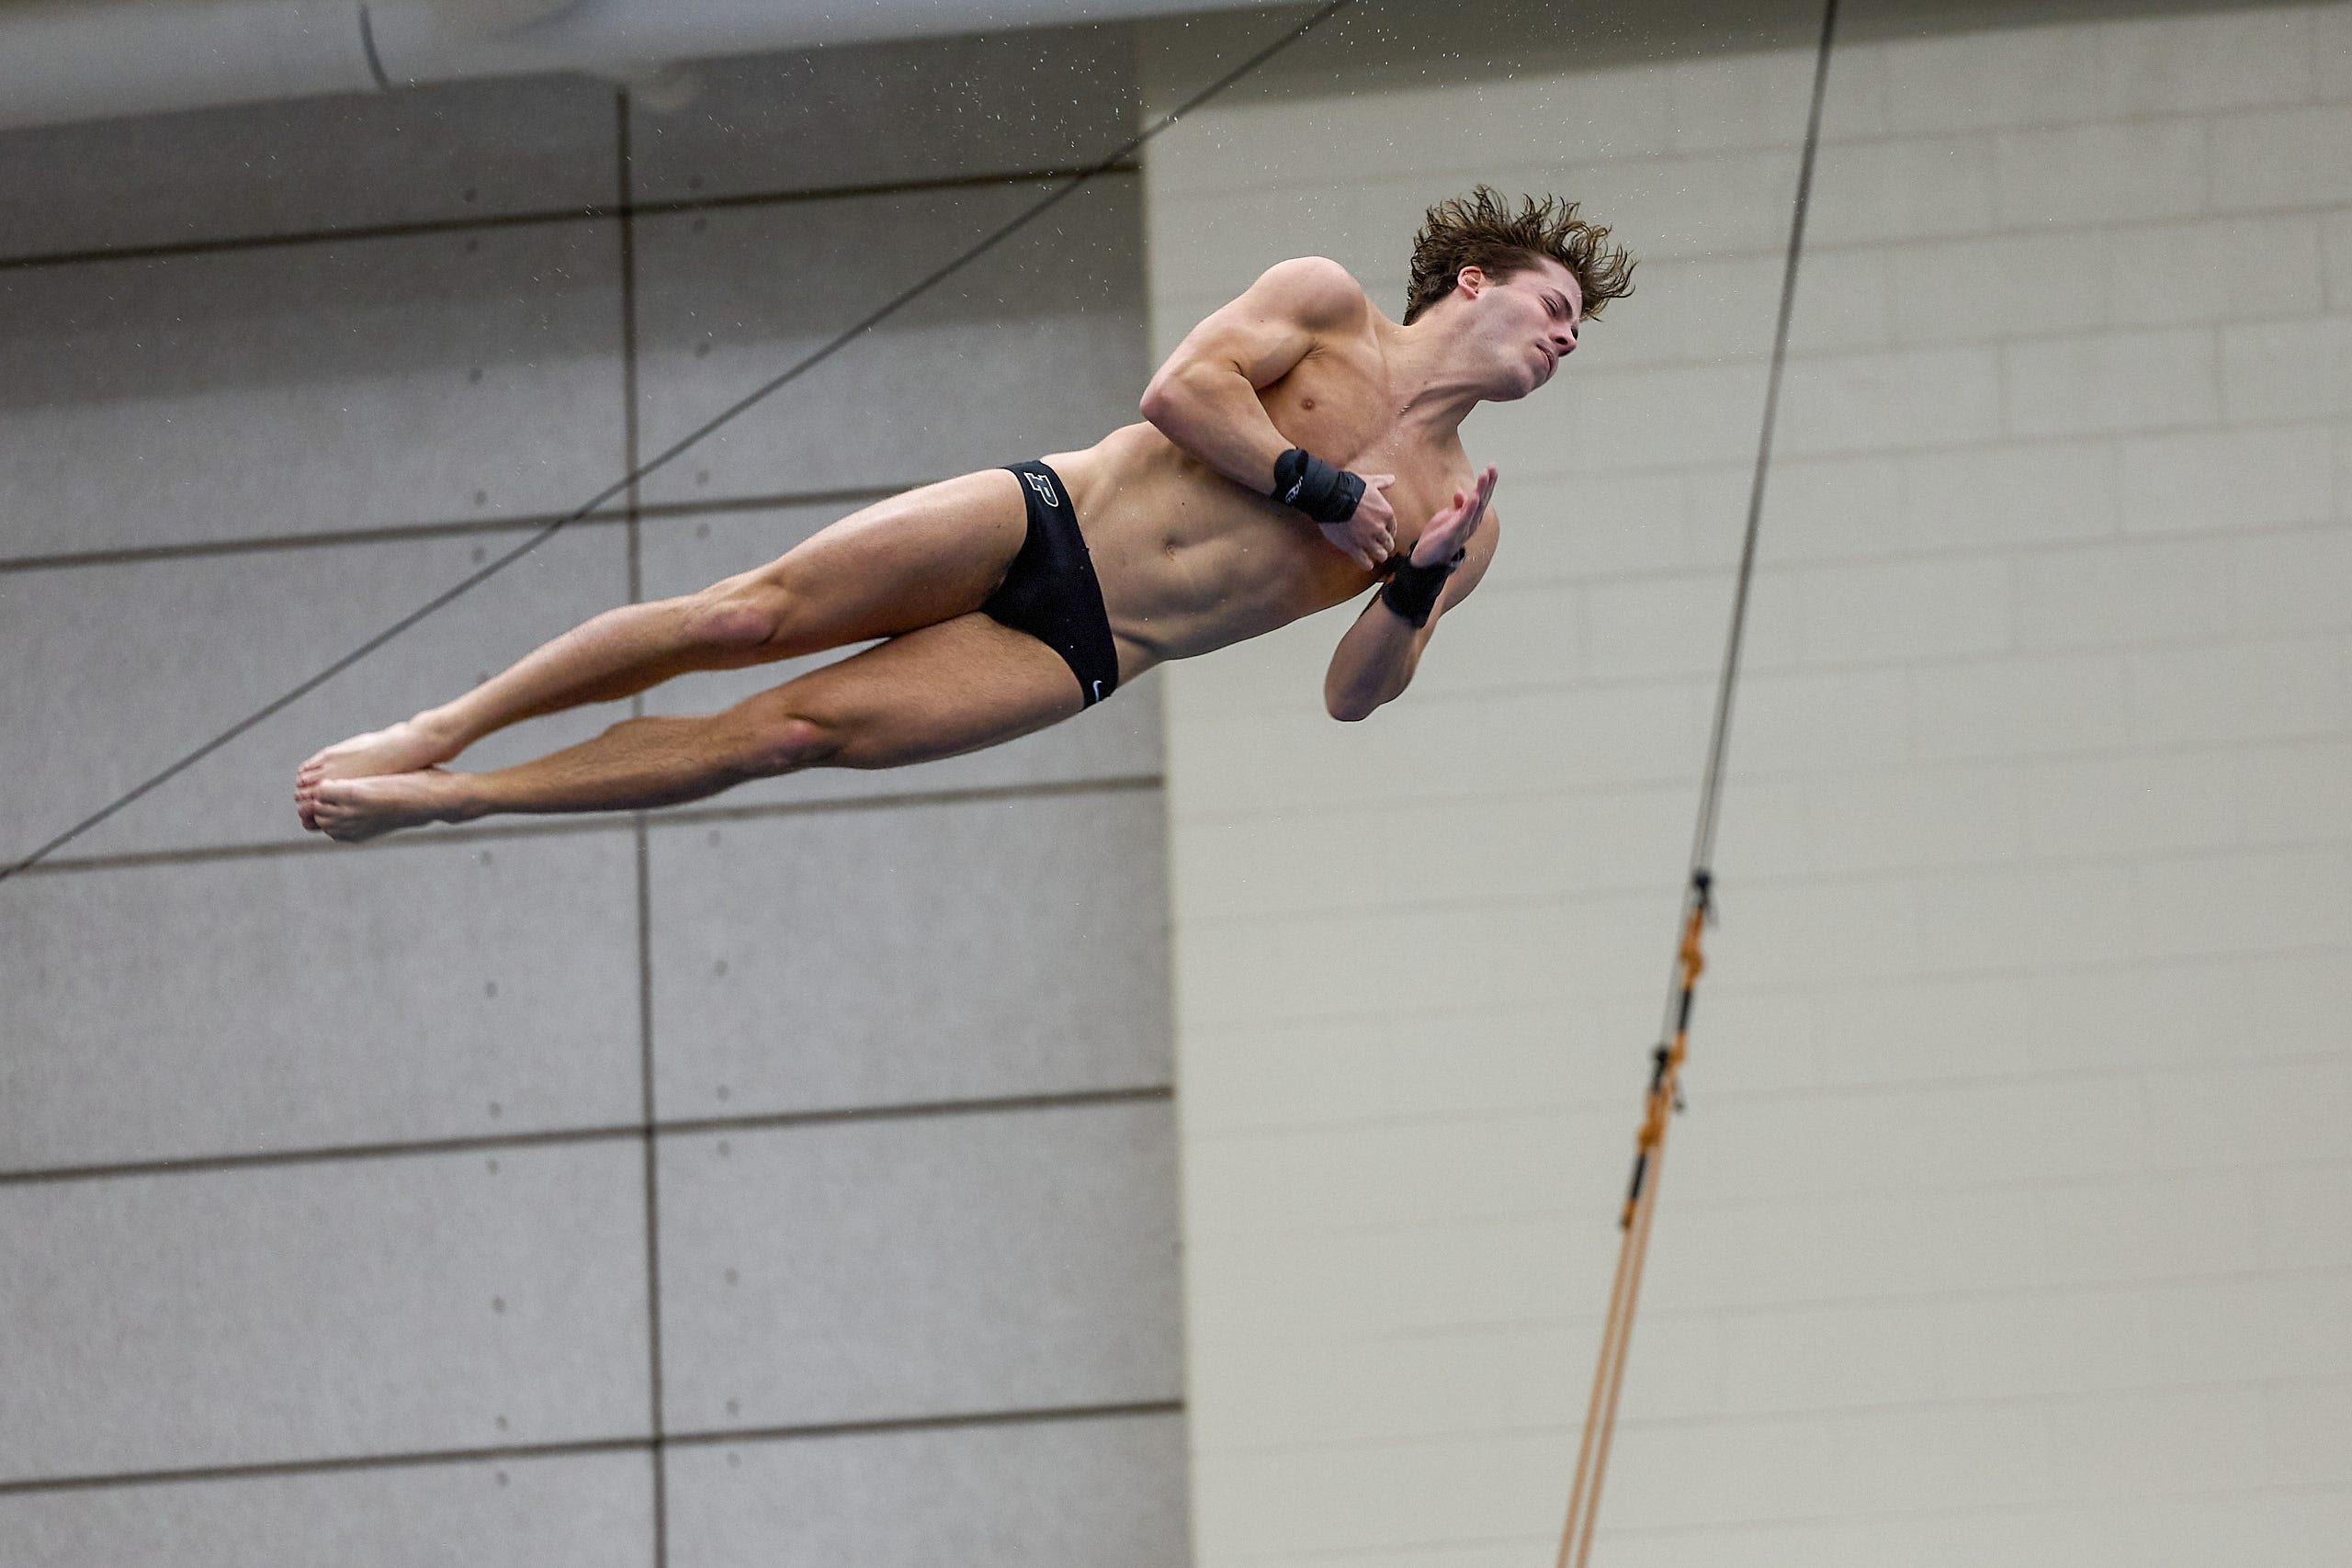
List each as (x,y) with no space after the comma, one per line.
(1529,320)
(1550,295)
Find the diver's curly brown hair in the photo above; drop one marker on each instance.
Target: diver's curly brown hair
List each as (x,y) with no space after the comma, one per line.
(1481,231)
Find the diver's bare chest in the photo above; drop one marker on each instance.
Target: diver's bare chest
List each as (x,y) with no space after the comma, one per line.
(1340,412)
(1344,412)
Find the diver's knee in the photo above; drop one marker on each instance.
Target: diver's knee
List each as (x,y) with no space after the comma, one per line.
(784,743)
(739,615)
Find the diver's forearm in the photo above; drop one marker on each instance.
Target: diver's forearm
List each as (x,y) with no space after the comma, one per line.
(1374,663)
(1214,414)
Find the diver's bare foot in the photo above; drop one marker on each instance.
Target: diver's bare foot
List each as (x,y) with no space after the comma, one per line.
(402,748)
(351,810)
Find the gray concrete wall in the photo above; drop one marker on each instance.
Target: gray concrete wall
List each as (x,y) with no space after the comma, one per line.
(790,1180)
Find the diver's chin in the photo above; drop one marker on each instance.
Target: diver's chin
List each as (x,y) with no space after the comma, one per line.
(1509,388)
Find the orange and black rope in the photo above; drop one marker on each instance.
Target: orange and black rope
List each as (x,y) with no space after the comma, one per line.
(1665,1097)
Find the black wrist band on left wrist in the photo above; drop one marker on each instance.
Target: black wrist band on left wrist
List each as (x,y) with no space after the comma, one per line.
(1412,591)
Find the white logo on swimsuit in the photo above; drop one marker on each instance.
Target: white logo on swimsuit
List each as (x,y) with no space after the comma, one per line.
(1294,492)
(1044,486)
(1098,691)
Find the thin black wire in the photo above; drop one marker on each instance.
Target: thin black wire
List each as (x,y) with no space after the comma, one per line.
(739,406)
(1702,842)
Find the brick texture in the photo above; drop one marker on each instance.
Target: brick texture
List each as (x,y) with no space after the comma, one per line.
(2006,1225)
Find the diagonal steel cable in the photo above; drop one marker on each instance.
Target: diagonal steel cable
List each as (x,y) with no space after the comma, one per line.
(1702,838)
(773,384)
(1664,1096)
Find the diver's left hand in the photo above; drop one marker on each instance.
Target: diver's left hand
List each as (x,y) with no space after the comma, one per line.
(1450,529)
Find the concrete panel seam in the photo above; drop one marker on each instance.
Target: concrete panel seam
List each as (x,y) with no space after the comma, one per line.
(360,233)
(320,1466)
(625,231)
(952,1422)
(1141,1094)
(686,817)
(400,533)
(1026,1417)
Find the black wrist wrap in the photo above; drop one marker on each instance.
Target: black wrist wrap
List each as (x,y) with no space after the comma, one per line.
(1411,590)
(1315,487)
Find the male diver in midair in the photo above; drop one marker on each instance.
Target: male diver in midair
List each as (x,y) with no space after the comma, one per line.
(1298,448)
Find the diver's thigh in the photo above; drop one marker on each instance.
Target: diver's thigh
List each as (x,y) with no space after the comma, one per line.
(955,686)
(916,559)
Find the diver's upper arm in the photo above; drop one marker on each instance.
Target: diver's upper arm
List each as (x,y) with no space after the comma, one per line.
(1275,323)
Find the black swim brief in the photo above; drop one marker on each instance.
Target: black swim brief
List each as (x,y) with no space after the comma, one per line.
(1051,593)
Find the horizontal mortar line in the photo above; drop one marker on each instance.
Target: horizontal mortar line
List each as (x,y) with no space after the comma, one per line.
(2122,1393)
(1669,687)
(2156,754)
(1563,1122)
(1758,356)
(1598,1214)
(1742,1527)
(1230,707)
(2023,552)
(1930,660)
(1419,1337)
(609,822)
(2125,1078)
(1749,1418)
(1223,823)
(593,213)
(1587,1319)
(1930,881)
(1770,144)
(1413,1551)
(2272,749)
(268,1469)
(2027,867)
(1072,1100)
(1737,1418)
(2136,1502)
(1603,369)
(1834,991)
(1639,1043)
(1771,254)
(399,532)
(1996,445)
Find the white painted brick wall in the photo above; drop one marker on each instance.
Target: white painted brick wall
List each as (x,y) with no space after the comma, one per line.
(2012,1220)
